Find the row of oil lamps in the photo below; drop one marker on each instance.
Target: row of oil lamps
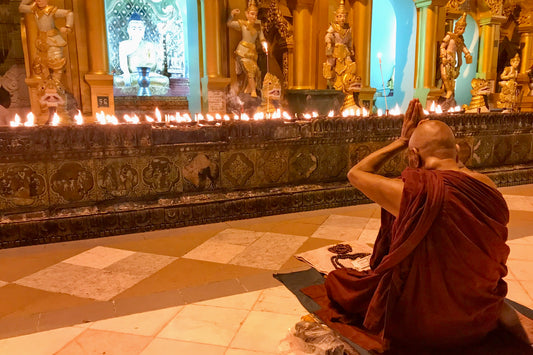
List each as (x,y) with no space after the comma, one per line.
(186,118)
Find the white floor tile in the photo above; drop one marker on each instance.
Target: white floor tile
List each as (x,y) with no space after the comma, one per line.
(44,343)
(169,346)
(204,324)
(241,301)
(263,331)
(146,323)
(99,257)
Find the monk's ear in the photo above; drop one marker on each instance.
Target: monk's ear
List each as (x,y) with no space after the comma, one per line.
(413,158)
(457,150)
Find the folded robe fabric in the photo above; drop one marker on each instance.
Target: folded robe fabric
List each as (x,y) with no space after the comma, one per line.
(437,269)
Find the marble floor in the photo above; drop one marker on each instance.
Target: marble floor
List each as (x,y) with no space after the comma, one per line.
(197,290)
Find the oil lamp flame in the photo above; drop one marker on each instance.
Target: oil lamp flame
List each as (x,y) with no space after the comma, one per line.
(331,113)
(16,121)
(157,114)
(79,118)
(439,109)
(55,119)
(30,120)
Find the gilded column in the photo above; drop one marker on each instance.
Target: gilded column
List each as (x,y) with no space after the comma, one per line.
(214,80)
(29,37)
(428,21)
(525,29)
(98,77)
(362,30)
(302,66)
(488,46)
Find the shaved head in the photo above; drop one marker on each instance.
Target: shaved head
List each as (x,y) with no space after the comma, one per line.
(433,139)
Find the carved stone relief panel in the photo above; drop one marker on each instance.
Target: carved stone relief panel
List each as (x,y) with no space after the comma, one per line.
(332,162)
(238,168)
(273,166)
(502,150)
(303,162)
(521,148)
(71,182)
(118,178)
(201,171)
(465,150)
(161,175)
(482,148)
(22,185)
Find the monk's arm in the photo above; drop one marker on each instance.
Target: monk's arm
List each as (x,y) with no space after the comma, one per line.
(384,191)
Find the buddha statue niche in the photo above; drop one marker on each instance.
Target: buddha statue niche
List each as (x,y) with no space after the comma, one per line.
(139,60)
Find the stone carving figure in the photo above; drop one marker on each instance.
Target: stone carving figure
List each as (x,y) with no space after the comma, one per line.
(508,95)
(451,51)
(340,52)
(136,52)
(246,68)
(50,62)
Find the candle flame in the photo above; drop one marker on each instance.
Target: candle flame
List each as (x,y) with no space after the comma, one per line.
(439,109)
(16,121)
(307,116)
(157,114)
(210,118)
(55,119)
(286,115)
(315,114)
(148,118)
(236,117)
(396,111)
(79,118)
(245,117)
(227,118)
(30,120)
(331,113)
(380,112)
(432,107)
(358,112)
(365,112)
(259,116)
(218,117)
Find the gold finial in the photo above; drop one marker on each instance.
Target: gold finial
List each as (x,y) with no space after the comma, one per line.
(252,6)
(341,8)
(461,22)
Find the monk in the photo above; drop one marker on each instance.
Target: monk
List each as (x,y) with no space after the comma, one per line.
(439,259)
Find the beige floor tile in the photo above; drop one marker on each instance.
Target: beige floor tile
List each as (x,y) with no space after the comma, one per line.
(103,342)
(521,252)
(519,203)
(246,352)
(522,270)
(262,331)
(368,236)
(294,228)
(99,257)
(237,236)
(279,300)
(169,346)
(80,281)
(528,286)
(3,283)
(146,323)
(243,301)
(215,252)
(141,264)
(270,251)
(204,324)
(518,294)
(527,240)
(338,227)
(44,343)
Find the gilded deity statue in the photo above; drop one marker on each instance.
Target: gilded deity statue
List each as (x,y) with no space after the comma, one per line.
(451,50)
(508,96)
(340,67)
(50,61)
(246,68)
(139,57)
(340,52)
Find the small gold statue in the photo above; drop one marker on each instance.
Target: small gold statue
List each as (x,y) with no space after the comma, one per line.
(246,66)
(450,55)
(509,96)
(50,62)
(271,93)
(480,90)
(340,67)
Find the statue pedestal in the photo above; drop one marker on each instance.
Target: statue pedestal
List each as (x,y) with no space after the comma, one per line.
(320,101)
(102,98)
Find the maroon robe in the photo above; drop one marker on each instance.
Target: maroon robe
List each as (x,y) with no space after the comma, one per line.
(437,269)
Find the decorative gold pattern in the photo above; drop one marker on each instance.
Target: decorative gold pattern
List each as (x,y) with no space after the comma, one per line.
(72,182)
(496,6)
(21,185)
(455,4)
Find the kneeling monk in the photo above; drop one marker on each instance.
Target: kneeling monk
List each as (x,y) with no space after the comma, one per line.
(439,259)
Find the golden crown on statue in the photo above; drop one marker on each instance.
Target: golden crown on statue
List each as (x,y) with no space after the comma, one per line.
(341,9)
(252,6)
